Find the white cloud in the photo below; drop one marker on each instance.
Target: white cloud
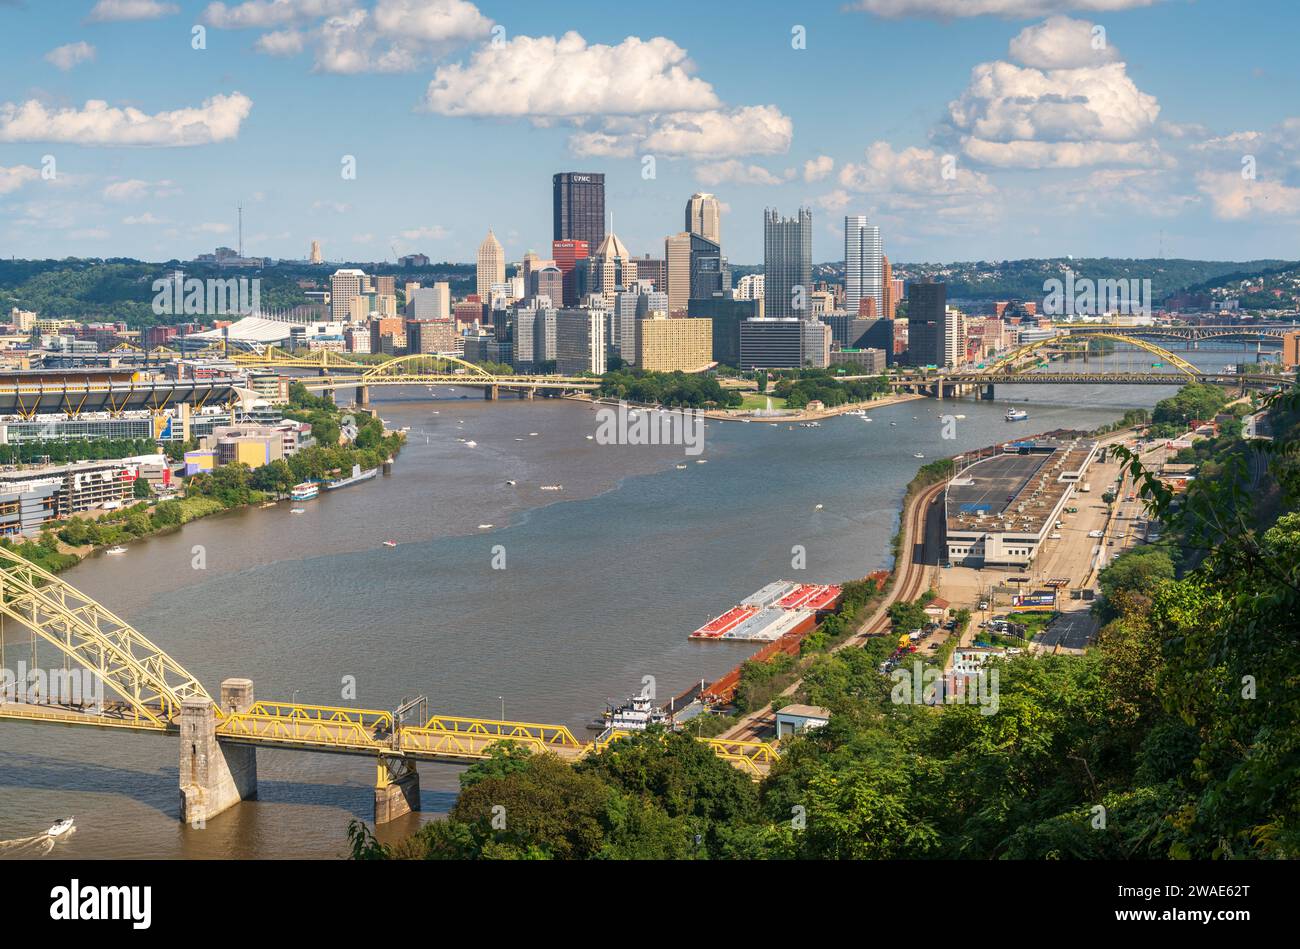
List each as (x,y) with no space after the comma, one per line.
(1127,190)
(71,54)
(280,43)
(13,178)
(548,76)
(815,169)
(1060,42)
(338,207)
(134,189)
(218,119)
(146,218)
(90,233)
(112,11)
(432,21)
(1235,198)
(1010,9)
(1014,116)
(211,227)
(749,130)
(738,173)
(261,14)
(920,171)
(836,200)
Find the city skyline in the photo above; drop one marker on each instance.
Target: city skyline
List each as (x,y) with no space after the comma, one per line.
(1054,129)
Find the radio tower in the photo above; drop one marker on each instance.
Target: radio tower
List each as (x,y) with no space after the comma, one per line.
(241,230)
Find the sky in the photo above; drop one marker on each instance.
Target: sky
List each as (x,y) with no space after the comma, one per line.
(967,129)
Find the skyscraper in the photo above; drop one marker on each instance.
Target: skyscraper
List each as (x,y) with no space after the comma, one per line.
(579,207)
(927,305)
(704,217)
(566,255)
(863,265)
(491,266)
(315,252)
(677,253)
(344,286)
(611,269)
(787,264)
(710,273)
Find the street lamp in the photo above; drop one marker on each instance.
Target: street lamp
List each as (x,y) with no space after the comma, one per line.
(503,707)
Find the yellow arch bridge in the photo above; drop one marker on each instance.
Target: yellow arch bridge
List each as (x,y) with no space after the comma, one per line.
(145,690)
(335,371)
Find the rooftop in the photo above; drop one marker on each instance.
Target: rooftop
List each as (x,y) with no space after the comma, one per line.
(1015,492)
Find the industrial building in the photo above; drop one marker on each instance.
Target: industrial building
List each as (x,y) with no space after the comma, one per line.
(999,510)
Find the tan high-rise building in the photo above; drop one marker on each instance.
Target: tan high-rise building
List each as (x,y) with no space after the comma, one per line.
(1290,350)
(386,286)
(677,254)
(664,345)
(891,302)
(611,269)
(704,217)
(491,265)
(315,252)
(344,286)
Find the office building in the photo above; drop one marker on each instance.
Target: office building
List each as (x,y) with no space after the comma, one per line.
(431,303)
(345,285)
(787,264)
(888,290)
(788,343)
(726,315)
(704,217)
(863,361)
(579,207)
(710,273)
(580,341)
(315,257)
(863,266)
(566,255)
(681,345)
(954,338)
(849,332)
(534,337)
(430,336)
(653,270)
(677,256)
(1290,350)
(926,318)
(491,266)
(750,287)
(610,270)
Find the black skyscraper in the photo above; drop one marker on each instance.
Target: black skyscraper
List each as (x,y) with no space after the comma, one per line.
(580,208)
(927,307)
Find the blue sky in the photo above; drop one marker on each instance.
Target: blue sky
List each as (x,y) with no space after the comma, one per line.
(1037,128)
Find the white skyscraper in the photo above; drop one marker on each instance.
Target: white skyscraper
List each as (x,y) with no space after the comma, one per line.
(491,266)
(863,264)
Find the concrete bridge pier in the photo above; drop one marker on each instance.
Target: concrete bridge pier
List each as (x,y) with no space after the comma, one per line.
(397,789)
(214,777)
(986,393)
(363,395)
(491,393)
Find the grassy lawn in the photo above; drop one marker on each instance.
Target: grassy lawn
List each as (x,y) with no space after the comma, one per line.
(755,401)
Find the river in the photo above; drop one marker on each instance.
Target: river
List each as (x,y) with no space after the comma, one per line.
(601,584)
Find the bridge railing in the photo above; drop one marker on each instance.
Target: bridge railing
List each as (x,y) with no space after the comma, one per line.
(497,728)
(324,725)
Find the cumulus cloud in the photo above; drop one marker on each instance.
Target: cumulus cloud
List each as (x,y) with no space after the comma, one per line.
(1235,198)
(815,169)
(435,232)
(264,14)
(432,21)
(549,76)
(738,173)
(1010,9)
(913,170)
(71,54)
(1137,191)
(1060,42)
(146,218)
(1020,116)
(218,119)
(712,133)
(112,11)
(11,179)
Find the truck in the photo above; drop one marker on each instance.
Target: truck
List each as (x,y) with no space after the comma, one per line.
(1087,487)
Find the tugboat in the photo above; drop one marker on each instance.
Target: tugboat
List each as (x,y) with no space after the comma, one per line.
(633,716)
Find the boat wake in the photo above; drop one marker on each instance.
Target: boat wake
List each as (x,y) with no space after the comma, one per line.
(39,845)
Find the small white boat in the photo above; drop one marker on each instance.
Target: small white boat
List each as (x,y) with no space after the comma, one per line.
(390,543)
(115,550)
(531,434)
(471,444)
(590,437)
(817,508)
(552,487)
(298,510)
(865,419)
(484,527)
(512,483)
(701,461)
(681,467)
(893,423)
(961,416)
(60,827)
(917,455)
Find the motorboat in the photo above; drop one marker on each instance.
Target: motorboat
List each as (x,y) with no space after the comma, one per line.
(390,543)
(552,487)
(917,455)
(60,827)
(115,550)
(298,510)
(484,527)
(512,483)
(817,508)
(681,467)
(1016,415)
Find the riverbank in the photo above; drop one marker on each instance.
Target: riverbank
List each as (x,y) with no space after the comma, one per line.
(804,415)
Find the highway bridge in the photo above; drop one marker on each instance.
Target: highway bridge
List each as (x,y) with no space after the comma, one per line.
(147,691)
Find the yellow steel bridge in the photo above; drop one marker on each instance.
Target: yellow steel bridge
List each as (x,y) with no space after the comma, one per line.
(146,690)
